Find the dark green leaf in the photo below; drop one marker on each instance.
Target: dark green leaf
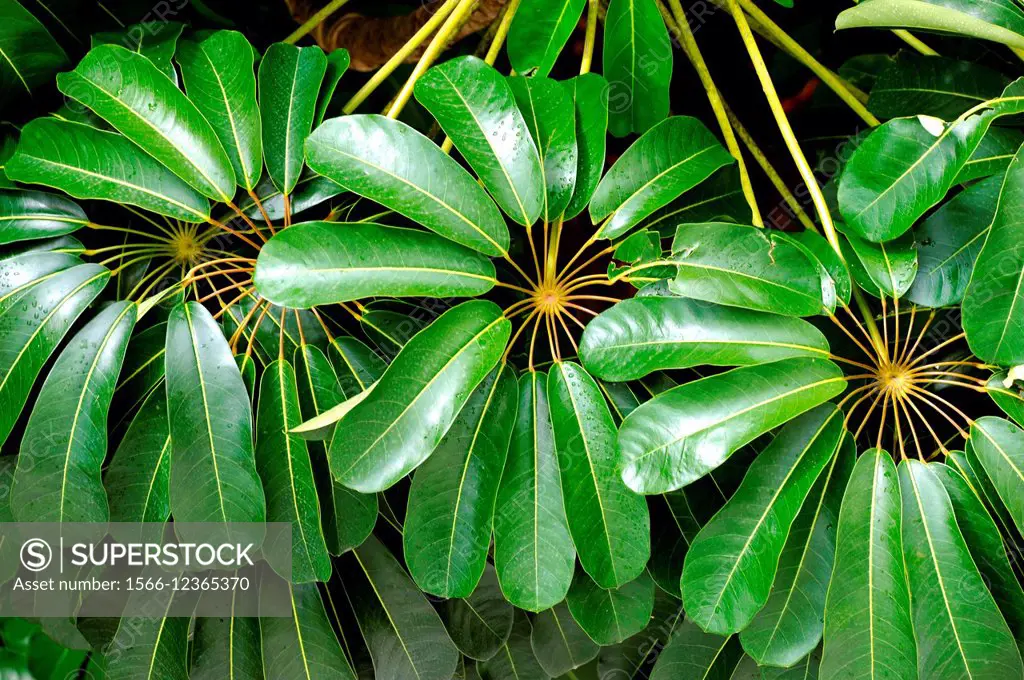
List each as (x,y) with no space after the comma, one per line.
(451,502)
(611,616)
(303,646)
(219,79)
(1009,399)
(638,337)
(88,163)
(538,33)
(357,365)
(533,551)
(474,105)
(150,648)
(868,630)
(136,480)
(589,93)
(338,61)
(885,268)
(559,643)
(390,163)
(609,524)
(674,156)
(320,263)
(289,81)
(394,429)
(684,433)
(830,266)
(515,659)
(933,86)
(638,64)
(130,93)
(28,215)
(481,623)
(30,54)
(719,198)
(226,648)
(693,653)
(65,442)
(999,446)
(993,155)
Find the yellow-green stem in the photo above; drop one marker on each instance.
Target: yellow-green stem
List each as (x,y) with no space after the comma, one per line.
(315,20)
(591,36)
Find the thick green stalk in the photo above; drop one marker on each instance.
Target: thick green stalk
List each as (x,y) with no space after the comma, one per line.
(591,36)
(315,20)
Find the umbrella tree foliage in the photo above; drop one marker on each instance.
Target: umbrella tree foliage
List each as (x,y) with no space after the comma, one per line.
(626,426)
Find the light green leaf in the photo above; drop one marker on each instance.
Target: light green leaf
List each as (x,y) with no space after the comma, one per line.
(394,165)
(559,643)
(213,472)
(403,632)
(282,461)
(611,616)
(28,215)
(959,630)
(730,567)
(33,320)
(319,263)
(789,626)
(533,551)
(538,33)
(672,157)
(394,429)
(640,336)
(609,524)
(338,61)
(65,442)
(130,93)
(1009,399)
(589,93)
(868,630)
(289,82)
(551,119)
(997,20)
(88,163)
(747,267)
(304,646)
(999,446)
(136,479)
(450,510)
(684,433)
(219,79)
(475,107)
(155,40)
(638,64)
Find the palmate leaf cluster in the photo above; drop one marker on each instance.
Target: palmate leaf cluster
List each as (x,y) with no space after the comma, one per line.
(758,464)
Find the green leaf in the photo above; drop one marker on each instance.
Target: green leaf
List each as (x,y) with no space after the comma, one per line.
(719,198)
(835,276)
(33,320)
(88,163)
(747,267)
(730,567)
(640,336)
(609,524)
(631,658)
(933,86)
(790,624)
(30,54)
(992,316)
(537,35)
(147,648)
(219,79)
(959,630)
(999,20)
(405,636)
(155,40)
(137,477)
(450,510)
(304,645)
(902,169)
(346,517)
(226,648)
(319,263)
(357,365)
(885,268)
(515,659)
(672,157)
(807,668)
(986,547)
(475,107)
(1009,399)
(533,551)
(551,120)
(19,272)
(559,643)
(948,242)
(130,93)
(676,518)
(213,472)
(289,82)
(282,461)
(968,463)
(611,616)
(993,155)
(338,61)
(311,190)
(28,215)
(480,624)
(999,446)
(684,433)
(393,430)
(392,164)
(589,93)
(868,630)
(693,653)
(638,64)
(59,466)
